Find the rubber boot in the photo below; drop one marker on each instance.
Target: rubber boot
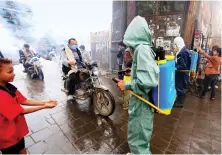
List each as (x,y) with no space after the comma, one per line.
(179,102)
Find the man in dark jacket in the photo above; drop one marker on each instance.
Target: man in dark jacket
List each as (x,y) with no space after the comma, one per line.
(183,61)
(122,48)
(25,55)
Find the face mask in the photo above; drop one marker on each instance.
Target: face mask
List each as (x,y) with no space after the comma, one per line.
(73,47)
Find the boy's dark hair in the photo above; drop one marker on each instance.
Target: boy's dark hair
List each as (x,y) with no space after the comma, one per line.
(122,44)
(215,47)
(219,52)
(4,61)
(71,40)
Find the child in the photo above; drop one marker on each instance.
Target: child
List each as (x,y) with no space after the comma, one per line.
(127,60)
(211,71)
(126,78)
(202,61)
(128,56)
(13,126)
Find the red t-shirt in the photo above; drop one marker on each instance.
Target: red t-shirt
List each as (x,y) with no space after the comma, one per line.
(13,126)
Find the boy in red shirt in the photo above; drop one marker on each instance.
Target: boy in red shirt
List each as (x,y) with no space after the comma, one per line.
(13,126)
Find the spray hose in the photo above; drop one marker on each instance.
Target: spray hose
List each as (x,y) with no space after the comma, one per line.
(147,102)
(144,100)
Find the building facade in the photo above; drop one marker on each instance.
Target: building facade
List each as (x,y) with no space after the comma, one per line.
(100,48)
(195,21)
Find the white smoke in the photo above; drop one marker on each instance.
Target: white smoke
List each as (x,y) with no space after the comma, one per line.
(64,19)
(9,45)
(60,20)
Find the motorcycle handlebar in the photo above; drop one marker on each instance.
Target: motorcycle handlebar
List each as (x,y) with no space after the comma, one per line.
(124,71)
(115,80)
(83,64)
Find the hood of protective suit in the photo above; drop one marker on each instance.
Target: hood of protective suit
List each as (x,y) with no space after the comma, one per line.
(179,42)
(137,33)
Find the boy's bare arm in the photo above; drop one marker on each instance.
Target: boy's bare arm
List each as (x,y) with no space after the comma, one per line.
(34,109)
(203,53)
(33,103)
(37,103)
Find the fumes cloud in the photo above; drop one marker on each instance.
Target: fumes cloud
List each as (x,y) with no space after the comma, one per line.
(60,20)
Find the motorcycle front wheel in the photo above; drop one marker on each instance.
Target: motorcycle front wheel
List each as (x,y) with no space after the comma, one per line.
(103,102)
(40,74)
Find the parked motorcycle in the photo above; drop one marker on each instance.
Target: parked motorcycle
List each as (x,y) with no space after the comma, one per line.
(91,87)
(35,70)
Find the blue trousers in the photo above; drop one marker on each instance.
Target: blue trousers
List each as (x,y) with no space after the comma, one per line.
(181,83)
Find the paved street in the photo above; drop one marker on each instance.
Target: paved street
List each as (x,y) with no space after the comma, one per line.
(74,128)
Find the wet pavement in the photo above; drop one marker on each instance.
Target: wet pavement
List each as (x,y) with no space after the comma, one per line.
(75,128)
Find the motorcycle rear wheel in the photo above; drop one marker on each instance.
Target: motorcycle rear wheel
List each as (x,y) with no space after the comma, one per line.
(103,102)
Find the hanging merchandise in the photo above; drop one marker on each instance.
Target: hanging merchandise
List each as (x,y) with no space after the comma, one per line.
(196,43)
(173,31)
(167,45)
(194,58)
(159,42)
(173,28)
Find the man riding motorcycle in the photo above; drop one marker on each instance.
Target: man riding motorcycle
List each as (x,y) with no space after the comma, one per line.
(25,56)
(71,58)
(85,54)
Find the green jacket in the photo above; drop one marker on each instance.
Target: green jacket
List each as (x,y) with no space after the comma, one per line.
(144,69)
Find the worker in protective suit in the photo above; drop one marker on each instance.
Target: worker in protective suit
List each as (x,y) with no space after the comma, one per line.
(144,77)
(183,62)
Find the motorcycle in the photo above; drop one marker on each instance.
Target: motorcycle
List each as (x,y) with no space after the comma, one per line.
(52,53)
(91,87)
(35,70)
(48,54)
